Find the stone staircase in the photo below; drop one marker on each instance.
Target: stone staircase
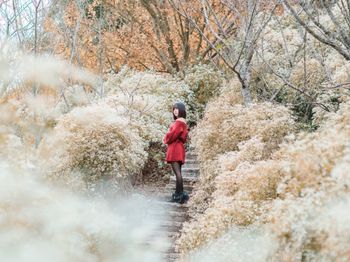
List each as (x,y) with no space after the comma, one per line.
(177,213)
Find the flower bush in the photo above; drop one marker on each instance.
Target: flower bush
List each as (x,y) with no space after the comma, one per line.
(297,70)
(95,140)
(204,81)
(237,180)
(51,223)
(146,98)
(298,197)
(225,126)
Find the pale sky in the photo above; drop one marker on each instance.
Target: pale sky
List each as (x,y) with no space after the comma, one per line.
(21,12)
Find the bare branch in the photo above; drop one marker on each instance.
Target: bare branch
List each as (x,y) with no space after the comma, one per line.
(327,38)
(301,91)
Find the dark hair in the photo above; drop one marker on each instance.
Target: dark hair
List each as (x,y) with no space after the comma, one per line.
(182,110)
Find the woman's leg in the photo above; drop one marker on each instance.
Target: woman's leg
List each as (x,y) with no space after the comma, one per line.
(176,166)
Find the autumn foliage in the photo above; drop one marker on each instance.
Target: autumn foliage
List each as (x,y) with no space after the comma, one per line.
(104,35)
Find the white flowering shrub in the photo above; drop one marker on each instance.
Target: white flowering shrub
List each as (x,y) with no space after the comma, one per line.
(10,143)
(314,226)
(31,88)
(239,244)
(77,95)
(315,75)
(49,223)
(204,81)
(237,181)
(298,197)
(301,63)
(134,114)
(146,98)
(95,140)
(224,126)
(312,159)
(41,138)
(240,197)
(34,116)
(230,92)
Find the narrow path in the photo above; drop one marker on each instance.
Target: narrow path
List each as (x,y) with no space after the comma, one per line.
(176,214)
(190,172)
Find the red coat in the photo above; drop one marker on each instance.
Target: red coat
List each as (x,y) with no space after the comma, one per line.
(175,139)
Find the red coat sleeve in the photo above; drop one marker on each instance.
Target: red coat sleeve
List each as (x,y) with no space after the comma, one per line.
(183,135)
(173,133)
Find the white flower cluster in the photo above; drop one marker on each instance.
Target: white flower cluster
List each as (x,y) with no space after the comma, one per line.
(96,140)
(48,223)
(298,197)
(146,99)
(204,81)
(234,144)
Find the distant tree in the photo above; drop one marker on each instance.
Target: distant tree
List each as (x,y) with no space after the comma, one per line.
(236,27)
(22,22)
(333,30)
(142,34)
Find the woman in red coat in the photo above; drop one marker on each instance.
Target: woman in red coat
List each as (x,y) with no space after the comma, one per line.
(175,155)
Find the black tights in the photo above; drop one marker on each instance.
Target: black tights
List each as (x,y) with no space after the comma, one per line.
(176,166)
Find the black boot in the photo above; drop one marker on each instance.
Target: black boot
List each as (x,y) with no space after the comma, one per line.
(176,197)
(183,197)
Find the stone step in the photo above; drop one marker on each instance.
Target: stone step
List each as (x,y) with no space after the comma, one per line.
(176,216)
(168,212)
(191,159)
(171,206)
(180,217)
(171,250)
(172,232)
(187,187)
(190,164)
(171,213)
(192,177)
(170,226)
(164,211)
(170,216)
(172,235)
(191,155)
(170,256)
(164,244)
(167,205)
(176,209)
(188,180)
(190,171)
